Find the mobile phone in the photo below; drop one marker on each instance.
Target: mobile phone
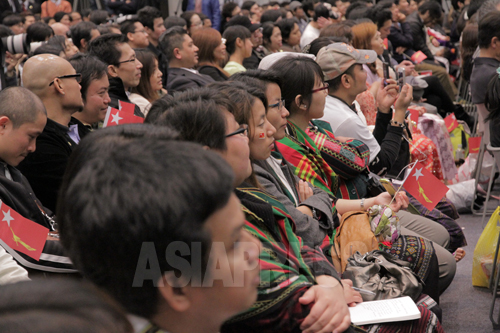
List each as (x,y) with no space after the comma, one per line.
(401,78)
(388,186)
(386,72)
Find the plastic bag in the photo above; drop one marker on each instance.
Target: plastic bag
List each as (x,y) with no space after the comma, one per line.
(482,262)
(461,195)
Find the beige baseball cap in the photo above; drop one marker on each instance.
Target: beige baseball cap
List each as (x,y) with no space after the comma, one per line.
(336,58)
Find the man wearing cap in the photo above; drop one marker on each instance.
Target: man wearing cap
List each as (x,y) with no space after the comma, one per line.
(343,68)
(299,14)
(257,52)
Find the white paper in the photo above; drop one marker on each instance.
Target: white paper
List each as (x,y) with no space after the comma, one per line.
(383,311)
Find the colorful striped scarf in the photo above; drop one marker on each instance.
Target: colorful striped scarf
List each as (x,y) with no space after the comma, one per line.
(305,156)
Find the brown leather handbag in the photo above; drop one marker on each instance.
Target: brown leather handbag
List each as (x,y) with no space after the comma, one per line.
(353,235)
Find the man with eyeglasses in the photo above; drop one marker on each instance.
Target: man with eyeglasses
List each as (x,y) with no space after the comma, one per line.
(136,34)
(56,83)
(124,70)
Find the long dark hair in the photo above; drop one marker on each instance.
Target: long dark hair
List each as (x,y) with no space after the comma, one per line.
(147,59)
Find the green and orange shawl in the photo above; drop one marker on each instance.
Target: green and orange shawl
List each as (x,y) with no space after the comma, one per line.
(323,161)
(288,267)
(305,156)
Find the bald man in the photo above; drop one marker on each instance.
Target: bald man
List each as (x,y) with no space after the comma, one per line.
(22,119)
(56,83)
(60,29)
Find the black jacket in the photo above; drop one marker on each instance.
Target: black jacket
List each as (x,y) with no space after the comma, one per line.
(45,168)
(117,93)
(18,195)
(213,72)
(180,79)
(418,32)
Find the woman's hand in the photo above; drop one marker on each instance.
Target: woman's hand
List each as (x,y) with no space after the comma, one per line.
(304,190)
(352,297)
(401,201)
(329,312)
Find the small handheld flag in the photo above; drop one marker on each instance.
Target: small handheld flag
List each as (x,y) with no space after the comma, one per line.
(451,122)
(117,117)
(126,107)
(418,57)
(424,186)
(474,144)
(21,234)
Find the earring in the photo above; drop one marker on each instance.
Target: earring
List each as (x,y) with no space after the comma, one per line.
(303,106)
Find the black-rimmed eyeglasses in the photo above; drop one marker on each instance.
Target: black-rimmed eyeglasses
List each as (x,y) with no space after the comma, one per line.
(130,60)
(77,77)
(242,130)
(278,105)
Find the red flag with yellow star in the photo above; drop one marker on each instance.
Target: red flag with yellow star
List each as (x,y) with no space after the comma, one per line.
(424,186)
(21,234)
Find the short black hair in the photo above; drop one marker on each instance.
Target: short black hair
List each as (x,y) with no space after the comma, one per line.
(71,305)
(200,121)
(320,11)
(170,40)
(321,42)
(91,69)
(82,30)
(232,33)
(99,17)
(137,193)
(300,80)
(158,107)
(38,32)
(356,7)
(13,19)
(488,28)
(59,15)
(54,49)
(174,21)
(434,9)
(265,76)
(270,16)
(286,27)
(187,17)
(267,31)
(128,26)
(5,31)
(105,48)
(147,16)
(20,105)
(379,17)
(247,5)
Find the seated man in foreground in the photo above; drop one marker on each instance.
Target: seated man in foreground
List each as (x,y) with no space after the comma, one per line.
(135,232)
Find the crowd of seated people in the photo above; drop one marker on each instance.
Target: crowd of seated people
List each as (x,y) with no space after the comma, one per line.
(261,127)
